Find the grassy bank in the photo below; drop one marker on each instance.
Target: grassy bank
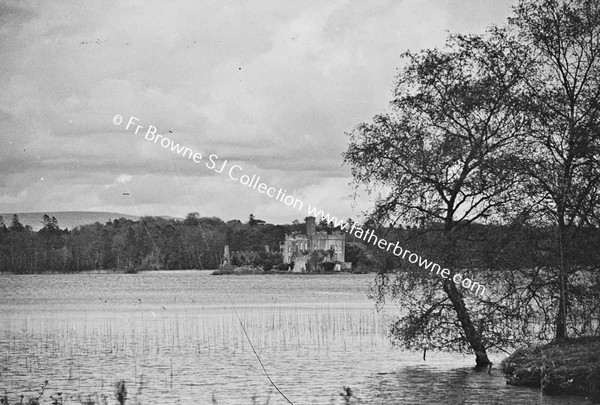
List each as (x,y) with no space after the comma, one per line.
(571,367)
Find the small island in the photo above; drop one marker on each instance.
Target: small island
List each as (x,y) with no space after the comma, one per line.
(567,367)
(316,251)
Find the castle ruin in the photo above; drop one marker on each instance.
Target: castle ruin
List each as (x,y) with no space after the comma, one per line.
(297,247)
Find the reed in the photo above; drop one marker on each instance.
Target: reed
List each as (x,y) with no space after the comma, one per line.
(171,349)
(121,398)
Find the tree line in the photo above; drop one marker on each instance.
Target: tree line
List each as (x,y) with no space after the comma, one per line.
(122,244)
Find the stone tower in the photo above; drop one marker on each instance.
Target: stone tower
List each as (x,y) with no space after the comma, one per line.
(310,226)
(311,230)
(226,257)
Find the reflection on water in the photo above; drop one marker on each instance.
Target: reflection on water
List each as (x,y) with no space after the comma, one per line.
(174,337)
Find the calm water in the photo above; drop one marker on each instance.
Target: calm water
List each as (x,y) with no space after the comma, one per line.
(175,338)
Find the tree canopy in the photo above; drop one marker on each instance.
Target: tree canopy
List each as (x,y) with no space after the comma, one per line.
(500,128)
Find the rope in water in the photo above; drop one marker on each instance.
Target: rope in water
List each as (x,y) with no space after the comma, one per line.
(256,354)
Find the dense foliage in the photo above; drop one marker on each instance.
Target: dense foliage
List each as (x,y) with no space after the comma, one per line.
(496,129)
(151,243)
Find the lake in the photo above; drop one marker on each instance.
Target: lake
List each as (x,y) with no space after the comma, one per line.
(187,337)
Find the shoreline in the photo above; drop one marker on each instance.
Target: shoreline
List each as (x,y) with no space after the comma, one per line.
(570,367)
(258,271)
(216,272)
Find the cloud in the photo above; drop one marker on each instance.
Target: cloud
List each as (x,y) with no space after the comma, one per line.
(271,86)
(122,179)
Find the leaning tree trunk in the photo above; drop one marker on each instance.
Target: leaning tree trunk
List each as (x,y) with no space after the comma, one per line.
(472,335)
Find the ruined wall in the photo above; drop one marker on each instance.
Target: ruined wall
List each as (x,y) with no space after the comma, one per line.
(297,245)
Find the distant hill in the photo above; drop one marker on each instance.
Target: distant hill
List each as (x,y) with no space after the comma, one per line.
(66,219)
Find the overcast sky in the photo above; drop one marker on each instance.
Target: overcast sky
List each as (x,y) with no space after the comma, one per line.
(272,86)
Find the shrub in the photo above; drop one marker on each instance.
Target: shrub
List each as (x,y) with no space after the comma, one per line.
(283,267)
(328,266)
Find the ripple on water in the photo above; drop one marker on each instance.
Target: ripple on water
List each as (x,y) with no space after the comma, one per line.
(175,338)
